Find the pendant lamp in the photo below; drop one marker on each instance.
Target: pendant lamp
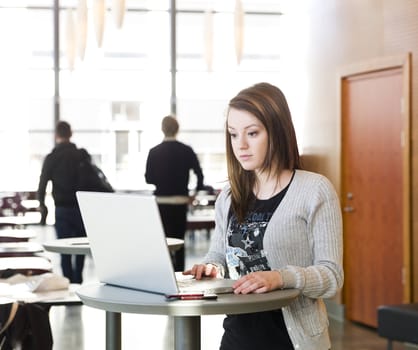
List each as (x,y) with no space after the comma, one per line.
(118,9)
(239,30)
(70,39)
(99,11)
(208,32)
(81,28)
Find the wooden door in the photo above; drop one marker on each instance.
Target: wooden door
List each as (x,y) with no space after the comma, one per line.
(375,191)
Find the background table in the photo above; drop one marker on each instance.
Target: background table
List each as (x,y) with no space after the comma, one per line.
(115,300)
(8,249)
(26,265)
(16,235)
(48,298)
(200,222)
(81,245)
(77,246)
(32,218)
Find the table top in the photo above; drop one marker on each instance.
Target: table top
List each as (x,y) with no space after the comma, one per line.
(27,219)
(81,245)
(51,297)
(200,218)
(201,215)
(19,234)
(25,263)
(77,245)
(116,299)
(174,243)
(20,247)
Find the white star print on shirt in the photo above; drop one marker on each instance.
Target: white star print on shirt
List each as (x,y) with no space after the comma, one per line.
(247,242)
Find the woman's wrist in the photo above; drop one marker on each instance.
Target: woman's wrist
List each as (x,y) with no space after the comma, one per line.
(280,284)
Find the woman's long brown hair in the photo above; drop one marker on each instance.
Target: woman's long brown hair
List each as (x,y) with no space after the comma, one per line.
(268,104)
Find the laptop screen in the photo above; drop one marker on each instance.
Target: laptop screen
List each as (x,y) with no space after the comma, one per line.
(127,241)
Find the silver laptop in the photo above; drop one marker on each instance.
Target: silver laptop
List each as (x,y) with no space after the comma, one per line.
(129,247)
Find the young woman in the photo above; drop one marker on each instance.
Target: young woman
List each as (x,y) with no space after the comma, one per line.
(276,227)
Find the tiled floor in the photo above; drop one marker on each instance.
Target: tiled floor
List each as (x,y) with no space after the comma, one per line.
(83,328)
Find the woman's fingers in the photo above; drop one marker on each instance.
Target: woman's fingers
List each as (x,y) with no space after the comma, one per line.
(256,282)
(210,270)
(201,270)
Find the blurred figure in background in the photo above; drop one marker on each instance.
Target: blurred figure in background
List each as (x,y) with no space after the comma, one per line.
(168,167)
(61,167)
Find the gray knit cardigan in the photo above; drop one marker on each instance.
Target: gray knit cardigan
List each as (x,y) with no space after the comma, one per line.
(303,241)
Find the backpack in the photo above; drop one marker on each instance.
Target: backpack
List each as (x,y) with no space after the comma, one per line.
(89,176)
(25,326)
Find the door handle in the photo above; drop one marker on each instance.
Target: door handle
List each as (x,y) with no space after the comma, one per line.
(348,209)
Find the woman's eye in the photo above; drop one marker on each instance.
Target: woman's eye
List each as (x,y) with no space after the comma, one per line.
(233,136)
(252,133)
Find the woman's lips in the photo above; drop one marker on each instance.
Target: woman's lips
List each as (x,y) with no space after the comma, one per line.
(244,157)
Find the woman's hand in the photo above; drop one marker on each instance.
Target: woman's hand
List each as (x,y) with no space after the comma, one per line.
(202,270)
(258,282)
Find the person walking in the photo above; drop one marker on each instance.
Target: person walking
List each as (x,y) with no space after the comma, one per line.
(61,167)
(168,167)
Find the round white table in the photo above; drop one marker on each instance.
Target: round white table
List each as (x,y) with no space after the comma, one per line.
(81,245)
(186,313)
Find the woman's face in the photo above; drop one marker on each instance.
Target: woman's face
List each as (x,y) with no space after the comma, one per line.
(249,139)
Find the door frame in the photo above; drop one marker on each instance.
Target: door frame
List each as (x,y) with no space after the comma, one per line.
(374,65)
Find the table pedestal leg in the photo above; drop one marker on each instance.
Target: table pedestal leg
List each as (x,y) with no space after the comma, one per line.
(187,332)
(113,331)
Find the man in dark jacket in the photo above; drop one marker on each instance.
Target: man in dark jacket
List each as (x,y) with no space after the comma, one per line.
(60,167)
(168,167)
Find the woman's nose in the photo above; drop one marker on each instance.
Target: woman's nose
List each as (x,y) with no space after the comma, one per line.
(242,143)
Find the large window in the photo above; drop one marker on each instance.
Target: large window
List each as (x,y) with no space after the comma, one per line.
(26,89)
(117,95)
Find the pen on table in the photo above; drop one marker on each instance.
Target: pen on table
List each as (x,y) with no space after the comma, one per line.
(197,296)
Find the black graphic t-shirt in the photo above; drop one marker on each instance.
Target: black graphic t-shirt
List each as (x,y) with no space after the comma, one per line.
(244,251)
